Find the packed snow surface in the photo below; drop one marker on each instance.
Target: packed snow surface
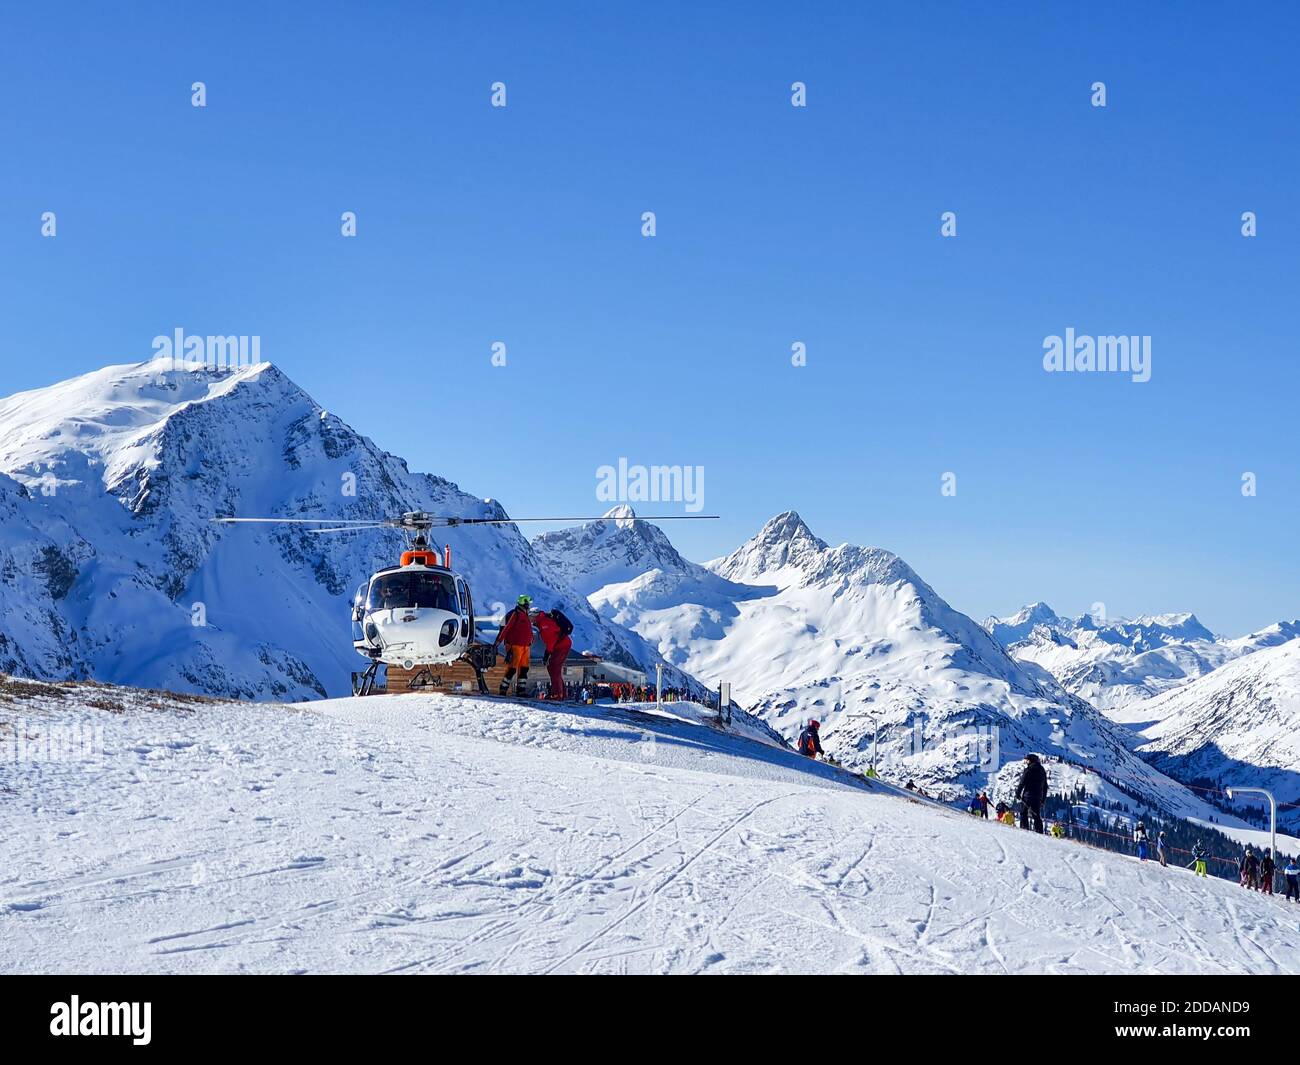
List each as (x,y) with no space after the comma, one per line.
(427,833)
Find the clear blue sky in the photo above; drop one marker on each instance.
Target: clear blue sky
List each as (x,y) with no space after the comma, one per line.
(775,224)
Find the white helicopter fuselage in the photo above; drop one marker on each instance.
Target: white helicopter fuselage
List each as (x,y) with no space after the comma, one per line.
(412,616)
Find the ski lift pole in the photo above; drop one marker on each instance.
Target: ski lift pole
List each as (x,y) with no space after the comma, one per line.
(1272,803)
(659,684)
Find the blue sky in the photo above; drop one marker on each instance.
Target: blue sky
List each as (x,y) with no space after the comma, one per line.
(775,225)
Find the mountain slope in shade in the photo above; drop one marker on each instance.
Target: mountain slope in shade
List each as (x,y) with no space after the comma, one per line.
(854,637)
(1238,725)
(1113,664)
(112,568)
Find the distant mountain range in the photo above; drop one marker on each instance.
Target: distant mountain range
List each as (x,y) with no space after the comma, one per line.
(1114,663)
(854,637)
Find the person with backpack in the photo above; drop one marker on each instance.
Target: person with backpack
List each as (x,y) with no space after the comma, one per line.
(1292,874)
(556,631)
(517,634)
(1160,849)
(1140,838)
(1031,793)
(1266,867)
(1198,858)
(810,743)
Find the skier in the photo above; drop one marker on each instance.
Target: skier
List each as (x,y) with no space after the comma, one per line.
(1266,867)
(1198,858)
(810,742)
(1160,849)
(1249,870)
(984,805)
(1292,874)
(1140,837)
(517,634)
(974,806)
(556,632)
(1031,792)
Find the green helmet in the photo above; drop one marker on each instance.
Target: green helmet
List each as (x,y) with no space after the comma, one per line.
(524,600)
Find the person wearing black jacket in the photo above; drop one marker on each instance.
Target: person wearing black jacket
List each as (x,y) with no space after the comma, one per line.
(1250,870)
(1266,867)
(1031,793)
(810,741)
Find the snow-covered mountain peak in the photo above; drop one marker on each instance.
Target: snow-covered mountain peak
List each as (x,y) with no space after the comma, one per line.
(854,637)
(96,427)
(1020,624)
(785,542)
(609,551)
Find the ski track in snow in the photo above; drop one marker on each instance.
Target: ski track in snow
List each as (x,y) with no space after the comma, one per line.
(427,833)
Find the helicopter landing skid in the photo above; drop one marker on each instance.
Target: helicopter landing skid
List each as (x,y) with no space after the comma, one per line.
(422,679)
(364,683)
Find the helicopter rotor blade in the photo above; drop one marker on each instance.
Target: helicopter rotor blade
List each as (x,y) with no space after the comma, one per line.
(370,522)
(602,517)
(349,528)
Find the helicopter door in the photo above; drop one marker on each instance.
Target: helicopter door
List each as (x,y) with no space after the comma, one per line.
(467,610)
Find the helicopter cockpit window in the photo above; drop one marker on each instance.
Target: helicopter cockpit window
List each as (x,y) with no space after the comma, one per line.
(395,591)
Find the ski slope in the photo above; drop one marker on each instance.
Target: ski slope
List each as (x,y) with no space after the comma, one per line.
(427,833)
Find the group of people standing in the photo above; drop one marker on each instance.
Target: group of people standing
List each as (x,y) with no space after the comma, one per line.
(556,633)
(645,693)
(1257,871)
(555,630)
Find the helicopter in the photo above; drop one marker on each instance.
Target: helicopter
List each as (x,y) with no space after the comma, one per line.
(420,613)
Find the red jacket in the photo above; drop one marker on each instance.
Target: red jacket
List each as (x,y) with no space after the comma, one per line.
(516,629)
(549,631)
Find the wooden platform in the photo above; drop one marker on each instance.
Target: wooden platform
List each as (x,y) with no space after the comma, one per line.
(459,677)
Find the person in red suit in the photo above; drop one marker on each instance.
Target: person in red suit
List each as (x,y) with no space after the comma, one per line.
(517,634)
(556,632)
